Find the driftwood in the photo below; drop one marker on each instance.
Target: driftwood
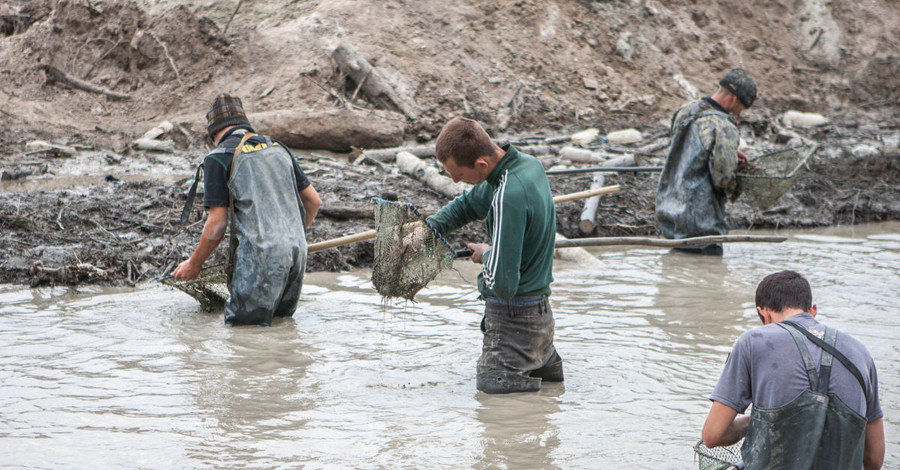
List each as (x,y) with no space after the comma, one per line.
(589,212)
(428,174)
(369,81)
(56,75)
(390,154)
(150,139)
(665,243)
(40,146)
(344,213)
(387,155)
(336,129)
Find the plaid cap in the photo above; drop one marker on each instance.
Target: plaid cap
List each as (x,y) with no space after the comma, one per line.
(738,81)
(225,111)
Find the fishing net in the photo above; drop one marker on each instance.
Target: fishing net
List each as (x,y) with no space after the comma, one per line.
(210,288)
(406,259)
(771,175)
(718,458)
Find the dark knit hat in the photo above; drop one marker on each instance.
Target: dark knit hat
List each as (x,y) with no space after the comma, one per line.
(738,81)
(225,111)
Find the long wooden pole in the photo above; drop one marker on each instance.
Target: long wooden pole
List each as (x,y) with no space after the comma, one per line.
(370,234)
(662,242)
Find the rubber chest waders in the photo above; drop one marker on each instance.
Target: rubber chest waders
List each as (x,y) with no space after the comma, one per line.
(687,203)
(814,431)
(267,223)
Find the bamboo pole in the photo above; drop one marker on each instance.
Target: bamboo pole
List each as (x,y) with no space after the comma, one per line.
(370,234)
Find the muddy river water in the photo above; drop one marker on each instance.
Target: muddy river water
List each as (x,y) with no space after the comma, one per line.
(142,378)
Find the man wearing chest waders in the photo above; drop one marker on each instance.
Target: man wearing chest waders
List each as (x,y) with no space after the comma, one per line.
(814,389)
(701,168)
(512,195)
(254,181)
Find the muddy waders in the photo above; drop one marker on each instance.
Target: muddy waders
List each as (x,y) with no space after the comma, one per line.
(687,203)
(517,352)
(270,257)
(814,431)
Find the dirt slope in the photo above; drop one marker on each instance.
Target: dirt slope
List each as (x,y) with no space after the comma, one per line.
(522,67)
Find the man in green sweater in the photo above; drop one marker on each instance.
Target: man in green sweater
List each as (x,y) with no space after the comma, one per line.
(512,195)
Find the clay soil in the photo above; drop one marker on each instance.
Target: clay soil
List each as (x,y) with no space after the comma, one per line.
(105,212)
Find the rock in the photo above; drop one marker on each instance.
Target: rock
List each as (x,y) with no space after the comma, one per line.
(800,119)
(623,48)
(862,151)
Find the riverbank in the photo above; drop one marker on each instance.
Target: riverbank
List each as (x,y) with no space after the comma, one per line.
(96,208)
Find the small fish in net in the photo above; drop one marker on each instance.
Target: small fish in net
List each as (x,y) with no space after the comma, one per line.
(719,458)
(406,259)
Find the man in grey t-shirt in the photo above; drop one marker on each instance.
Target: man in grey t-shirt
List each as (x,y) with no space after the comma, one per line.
(809,408)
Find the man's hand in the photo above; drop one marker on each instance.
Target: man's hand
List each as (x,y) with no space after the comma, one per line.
(186,271)
(742,158)
(478,250)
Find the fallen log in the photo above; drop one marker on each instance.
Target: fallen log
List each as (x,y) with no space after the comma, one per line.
(423,171)
(388,155)
(634,169)
(344,213)
(337,129)
(369,81)
(56,75)
(666,243)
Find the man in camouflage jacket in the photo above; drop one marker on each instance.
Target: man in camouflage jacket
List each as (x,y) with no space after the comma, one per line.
(700,170)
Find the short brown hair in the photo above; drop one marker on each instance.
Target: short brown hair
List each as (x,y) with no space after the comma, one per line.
(463,140)
(783,290)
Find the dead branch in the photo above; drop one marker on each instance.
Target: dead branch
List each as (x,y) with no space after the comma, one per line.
(168,57)
(369,80)
(56,75)
(225,29)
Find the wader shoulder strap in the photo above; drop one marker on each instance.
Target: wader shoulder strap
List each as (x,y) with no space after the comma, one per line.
(834,352)
(232,237)
(189,204)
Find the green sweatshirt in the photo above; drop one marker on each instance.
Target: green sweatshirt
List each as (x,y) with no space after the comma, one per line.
(518,210)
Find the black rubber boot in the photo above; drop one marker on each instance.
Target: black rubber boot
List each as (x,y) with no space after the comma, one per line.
(500,381)
(552,371)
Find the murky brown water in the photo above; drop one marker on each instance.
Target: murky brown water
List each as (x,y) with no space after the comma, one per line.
(141,378)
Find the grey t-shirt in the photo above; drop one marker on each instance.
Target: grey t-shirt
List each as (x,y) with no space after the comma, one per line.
(765,368)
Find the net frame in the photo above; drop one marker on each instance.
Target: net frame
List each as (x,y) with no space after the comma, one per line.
(772,175)
(210,288)
(718,458)
(400,270)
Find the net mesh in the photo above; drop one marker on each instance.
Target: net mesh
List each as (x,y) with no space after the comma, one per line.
(771,175)
(210,288)
(718,458)
(405,262)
